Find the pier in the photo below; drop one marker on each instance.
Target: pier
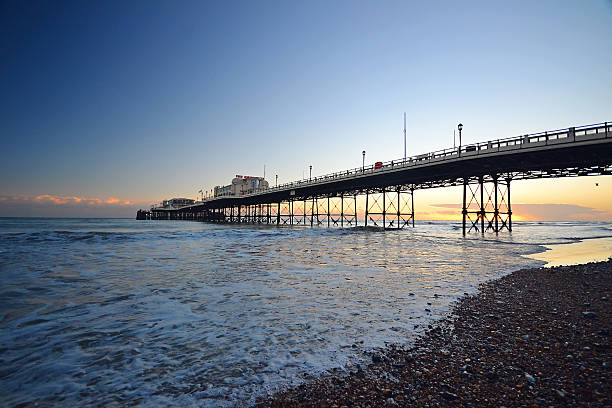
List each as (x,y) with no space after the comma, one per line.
(485,170)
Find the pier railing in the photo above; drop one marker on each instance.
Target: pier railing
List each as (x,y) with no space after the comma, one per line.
(567,135)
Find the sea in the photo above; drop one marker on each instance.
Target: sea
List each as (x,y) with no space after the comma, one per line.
(118,312)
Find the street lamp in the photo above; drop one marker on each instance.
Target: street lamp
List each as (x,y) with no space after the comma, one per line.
(310,177)
(277,180)
(460,127)
(363,162)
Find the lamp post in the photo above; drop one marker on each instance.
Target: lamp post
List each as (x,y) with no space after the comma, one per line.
(277,180)
(363,162)
(310,177)
(460,127)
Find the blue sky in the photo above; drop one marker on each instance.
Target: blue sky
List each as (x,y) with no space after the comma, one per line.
(141,101)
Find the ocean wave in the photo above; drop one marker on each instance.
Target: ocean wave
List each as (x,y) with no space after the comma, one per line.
(121,312)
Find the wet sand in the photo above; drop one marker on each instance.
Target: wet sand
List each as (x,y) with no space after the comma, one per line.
(536,337)
(580,252)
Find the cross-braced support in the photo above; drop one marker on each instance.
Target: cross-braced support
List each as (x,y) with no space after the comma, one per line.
(341,210)
(486,204)
(299,212)
(285,213)
(390,208)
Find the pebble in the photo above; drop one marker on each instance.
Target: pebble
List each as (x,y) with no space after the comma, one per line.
(589,315)
(530,378)
(569,357)
(449,396)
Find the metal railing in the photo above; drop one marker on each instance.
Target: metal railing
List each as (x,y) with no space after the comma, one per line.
(511,143)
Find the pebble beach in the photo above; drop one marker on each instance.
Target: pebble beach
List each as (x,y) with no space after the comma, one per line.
(535,337)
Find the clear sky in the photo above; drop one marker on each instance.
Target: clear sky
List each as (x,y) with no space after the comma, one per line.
(110,106)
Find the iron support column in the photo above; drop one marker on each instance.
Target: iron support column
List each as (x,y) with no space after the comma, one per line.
(496,210)
(384,208)
(311,212)
(464,210)
(412,205)
(342,211)
(482,205)
(355,207)
(509,208)
(399,203)
(366,209)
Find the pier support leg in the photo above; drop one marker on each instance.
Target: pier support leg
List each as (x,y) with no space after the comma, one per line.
(355,207)
(342,211)
(399,204)
(366,209)
(312,212)
(482,205)
(412,205)
(384,208)
(391,208)
(464,210)
(486,204)
(509,204)
(496,215)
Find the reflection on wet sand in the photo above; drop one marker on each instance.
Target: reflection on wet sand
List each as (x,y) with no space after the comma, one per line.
(588,250)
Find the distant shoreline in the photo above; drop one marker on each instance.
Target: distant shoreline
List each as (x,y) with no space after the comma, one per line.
(533,337)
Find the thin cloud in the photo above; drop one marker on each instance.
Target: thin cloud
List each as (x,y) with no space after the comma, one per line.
(63,200)
(49,205)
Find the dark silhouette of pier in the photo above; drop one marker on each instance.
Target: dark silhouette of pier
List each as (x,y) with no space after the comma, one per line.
(485,170)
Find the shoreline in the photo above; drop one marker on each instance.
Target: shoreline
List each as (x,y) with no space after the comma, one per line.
(533,337)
